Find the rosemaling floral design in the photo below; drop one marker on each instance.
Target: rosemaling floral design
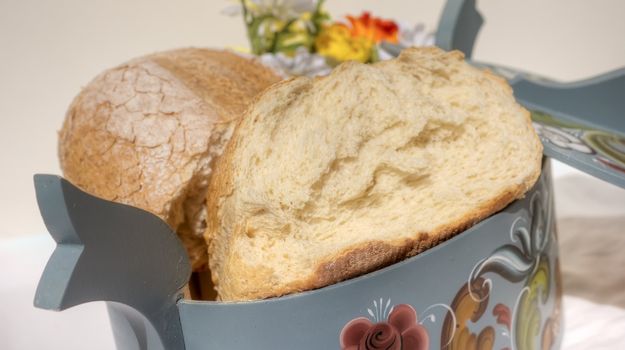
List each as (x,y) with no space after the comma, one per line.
(524,261)
(401,331)
(605,148)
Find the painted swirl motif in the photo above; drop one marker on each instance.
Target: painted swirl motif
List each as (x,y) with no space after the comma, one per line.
(552,328)
(515,262)
(611,148)
(469,305)
(562,138)
(529,315)
(604,147)
(401,331)
(524,261)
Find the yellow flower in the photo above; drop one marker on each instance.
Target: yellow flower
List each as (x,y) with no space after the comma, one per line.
(337,43)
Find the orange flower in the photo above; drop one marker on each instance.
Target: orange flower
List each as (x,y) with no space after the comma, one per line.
(355,40)
(373,28)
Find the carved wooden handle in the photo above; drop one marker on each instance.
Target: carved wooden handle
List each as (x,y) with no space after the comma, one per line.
(115,253)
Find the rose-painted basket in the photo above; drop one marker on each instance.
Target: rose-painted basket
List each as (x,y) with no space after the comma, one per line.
(494,286)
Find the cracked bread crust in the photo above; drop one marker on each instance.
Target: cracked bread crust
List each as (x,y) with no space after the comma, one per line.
(146,133)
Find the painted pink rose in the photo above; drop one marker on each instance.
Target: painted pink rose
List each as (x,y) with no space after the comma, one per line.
(504,317)
(400,332)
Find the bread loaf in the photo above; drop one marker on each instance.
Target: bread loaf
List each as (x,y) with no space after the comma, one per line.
(147,132)
(329,178)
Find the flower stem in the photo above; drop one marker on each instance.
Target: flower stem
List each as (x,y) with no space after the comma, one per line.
(249,21)
(277,35)
(319,4)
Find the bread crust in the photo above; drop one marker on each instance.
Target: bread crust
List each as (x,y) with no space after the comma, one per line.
(146,133)
(357,259)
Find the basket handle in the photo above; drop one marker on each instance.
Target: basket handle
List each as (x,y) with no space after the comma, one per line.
(115,253)
(458,26)
(598,101)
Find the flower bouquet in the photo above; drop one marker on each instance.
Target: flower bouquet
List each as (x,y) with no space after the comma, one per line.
(299,37)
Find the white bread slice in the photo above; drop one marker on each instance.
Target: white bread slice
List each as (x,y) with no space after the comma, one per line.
(329,178)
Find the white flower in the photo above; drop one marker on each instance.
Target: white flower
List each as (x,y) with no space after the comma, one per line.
(302,63)
(408,36)
(281,9)
(561,138)
(414,35)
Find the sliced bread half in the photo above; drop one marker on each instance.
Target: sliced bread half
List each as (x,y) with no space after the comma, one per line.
(329,178)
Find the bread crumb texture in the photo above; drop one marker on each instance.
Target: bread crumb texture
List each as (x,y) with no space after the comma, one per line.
(147,132)
(329,178)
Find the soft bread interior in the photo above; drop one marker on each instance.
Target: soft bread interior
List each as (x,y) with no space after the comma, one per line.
(397,155)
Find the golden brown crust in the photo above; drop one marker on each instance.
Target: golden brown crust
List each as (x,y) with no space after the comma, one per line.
(143,132)
(220,185)
(223,80)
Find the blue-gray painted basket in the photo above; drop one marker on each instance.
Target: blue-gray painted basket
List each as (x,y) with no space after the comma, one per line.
(495,285)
